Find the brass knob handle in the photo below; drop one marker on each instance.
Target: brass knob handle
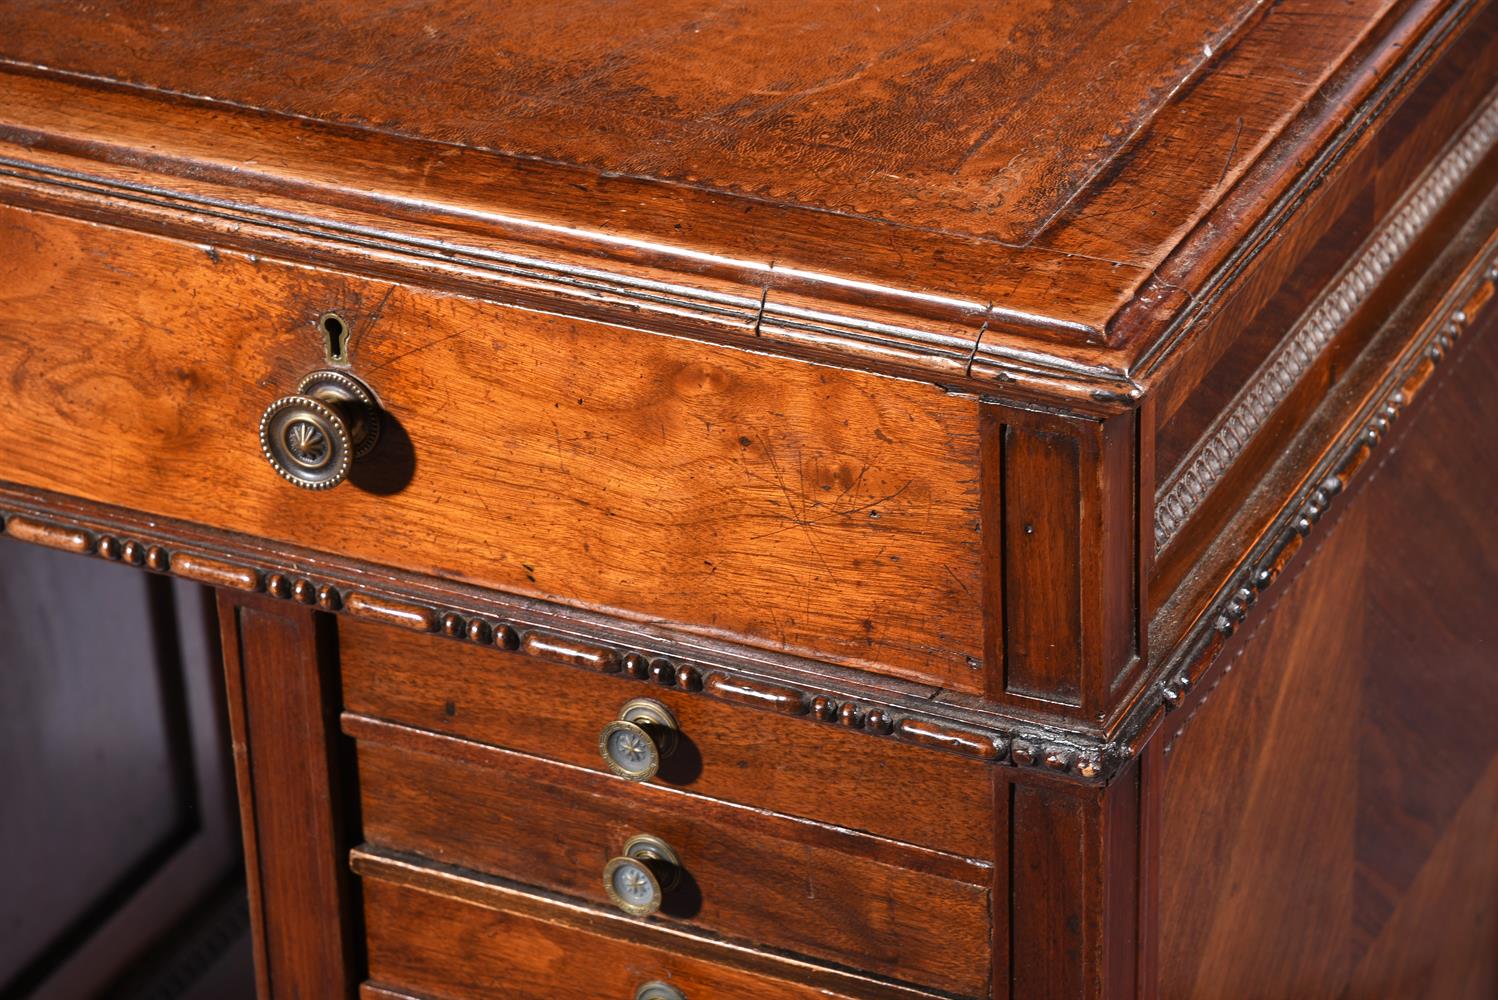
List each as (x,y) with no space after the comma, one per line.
(657,990)
(634,744)
(312,438)
(637,880)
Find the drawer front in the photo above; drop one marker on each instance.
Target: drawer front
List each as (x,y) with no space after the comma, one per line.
(789,765)
(766,881)
(779,503)
(430,944)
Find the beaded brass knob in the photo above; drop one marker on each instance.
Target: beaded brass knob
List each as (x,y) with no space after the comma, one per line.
(633,745)
(312,438)
(657,990)
(637,880)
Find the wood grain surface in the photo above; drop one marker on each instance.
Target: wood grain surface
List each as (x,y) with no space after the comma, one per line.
(764,759)
(1364,801)
(1074,883)
(439,934)
(1325,284)
(818,337)
(293,807)
(937,114)
(1075,214)
(757,879)
(785,504)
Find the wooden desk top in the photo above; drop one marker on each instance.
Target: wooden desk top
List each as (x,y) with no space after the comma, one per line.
(982,120)
(1029,189)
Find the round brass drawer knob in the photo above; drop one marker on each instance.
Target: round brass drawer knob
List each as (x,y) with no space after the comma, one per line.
(312,438)
(637,880)
(657,990)
(634,744)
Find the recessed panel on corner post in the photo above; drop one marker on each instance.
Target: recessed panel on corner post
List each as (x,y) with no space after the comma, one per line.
(282,688)
(1043,565)
(1074,869)
(1061,502)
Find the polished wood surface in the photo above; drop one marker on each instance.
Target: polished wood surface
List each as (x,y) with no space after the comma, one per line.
(1366,801)
(977,425)
(1147,229)
(780,503)
(1071,872)
(1243,328)
(1282,344)
(477,939)
(283,700)
(954,594)
(811,107)
(799,888)
(1449,302)
(820,773)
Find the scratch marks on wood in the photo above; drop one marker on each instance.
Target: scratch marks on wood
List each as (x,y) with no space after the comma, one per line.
(561,459)
(1232,151)
(796,507)
(415,350)
(379,309)
(967,369)
(764,296)
(958,580)
(806,509)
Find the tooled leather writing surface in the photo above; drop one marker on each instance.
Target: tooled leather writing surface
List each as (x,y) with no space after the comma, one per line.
(1055,163)
(982,119)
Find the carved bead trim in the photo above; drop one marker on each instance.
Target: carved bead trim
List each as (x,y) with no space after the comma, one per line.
(949,738)
(1227,439)
(201,569)
(577,654)
(376,609)
(1232,610)
(786,701)
(1074,759)
(53,536)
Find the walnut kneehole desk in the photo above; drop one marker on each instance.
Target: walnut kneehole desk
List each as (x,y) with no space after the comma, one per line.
(795,501)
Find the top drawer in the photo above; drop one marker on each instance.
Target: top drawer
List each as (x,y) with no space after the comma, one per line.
(785,504)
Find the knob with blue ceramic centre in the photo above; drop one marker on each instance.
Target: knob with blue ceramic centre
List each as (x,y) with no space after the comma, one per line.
(637,881)
(633,745)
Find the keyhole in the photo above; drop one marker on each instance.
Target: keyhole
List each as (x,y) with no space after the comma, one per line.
(336,331)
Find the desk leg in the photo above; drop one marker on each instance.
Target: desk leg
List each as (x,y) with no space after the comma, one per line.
(1073,888)
(281,672)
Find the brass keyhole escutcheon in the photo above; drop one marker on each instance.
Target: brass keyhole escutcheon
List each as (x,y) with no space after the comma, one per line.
(335,330)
